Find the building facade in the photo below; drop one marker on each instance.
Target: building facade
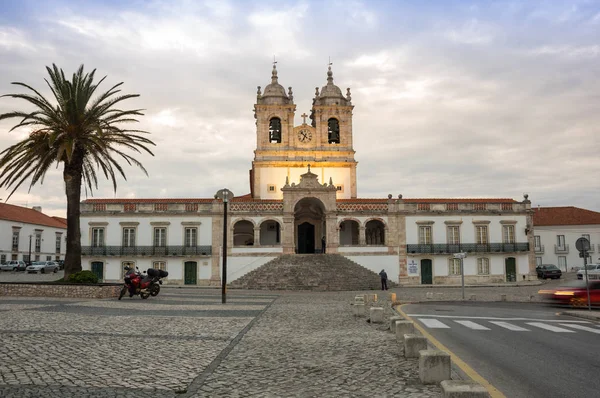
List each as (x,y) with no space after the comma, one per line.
(303,199)
(556,231)
(29,235)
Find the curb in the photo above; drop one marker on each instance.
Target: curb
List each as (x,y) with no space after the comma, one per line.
(591,317)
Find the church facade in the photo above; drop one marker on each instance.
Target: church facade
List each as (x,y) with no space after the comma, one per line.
(303,200)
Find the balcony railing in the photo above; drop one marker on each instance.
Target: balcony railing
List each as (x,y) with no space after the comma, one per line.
(468,248)
(163,251)
(539,249)
(561,249)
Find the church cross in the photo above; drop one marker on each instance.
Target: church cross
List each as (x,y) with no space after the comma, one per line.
(304,116)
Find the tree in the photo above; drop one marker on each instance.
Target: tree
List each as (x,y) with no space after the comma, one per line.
(81,134)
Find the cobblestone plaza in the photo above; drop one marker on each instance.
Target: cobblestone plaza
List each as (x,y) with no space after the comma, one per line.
(185,343)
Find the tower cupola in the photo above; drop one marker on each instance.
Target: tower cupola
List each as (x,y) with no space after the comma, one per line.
(274,93)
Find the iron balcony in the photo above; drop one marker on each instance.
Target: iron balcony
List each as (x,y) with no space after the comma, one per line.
(468,248)
(163,251)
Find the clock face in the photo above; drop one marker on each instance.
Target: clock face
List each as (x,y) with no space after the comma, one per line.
(304,135)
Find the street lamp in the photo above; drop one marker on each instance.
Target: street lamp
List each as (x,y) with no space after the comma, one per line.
(29,258)
(224,194)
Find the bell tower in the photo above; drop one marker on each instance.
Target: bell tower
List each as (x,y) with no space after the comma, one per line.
(283,152)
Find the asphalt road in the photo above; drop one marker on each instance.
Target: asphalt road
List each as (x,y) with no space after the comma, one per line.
(524,350)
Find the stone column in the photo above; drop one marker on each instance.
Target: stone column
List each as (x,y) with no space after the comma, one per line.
(287,234)
(362,237)
(257,236)
(332,239)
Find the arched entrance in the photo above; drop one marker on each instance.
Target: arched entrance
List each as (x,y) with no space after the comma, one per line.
(309,225)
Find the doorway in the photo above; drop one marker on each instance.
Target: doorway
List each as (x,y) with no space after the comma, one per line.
(426,272)
(306,238)
(510,267)
(190,272)
(98,269)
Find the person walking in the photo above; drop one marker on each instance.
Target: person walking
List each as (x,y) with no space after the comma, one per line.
(384,278)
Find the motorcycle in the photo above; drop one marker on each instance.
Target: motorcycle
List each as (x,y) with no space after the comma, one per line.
(145,284)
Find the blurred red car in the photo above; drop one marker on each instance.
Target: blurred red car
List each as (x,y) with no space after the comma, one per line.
(573,294)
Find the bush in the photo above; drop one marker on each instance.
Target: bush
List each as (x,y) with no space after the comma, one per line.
(83,277)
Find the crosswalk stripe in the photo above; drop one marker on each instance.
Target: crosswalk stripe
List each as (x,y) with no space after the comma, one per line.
(580,327)
(472,325)
(434,323)
(550,327)
(510,326)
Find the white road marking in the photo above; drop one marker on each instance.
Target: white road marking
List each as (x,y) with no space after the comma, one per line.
(497,318)
(472,325)
(510,326)
(579,327)
(434,324)
(550,327)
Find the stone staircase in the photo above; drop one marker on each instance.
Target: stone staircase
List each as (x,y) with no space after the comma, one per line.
(318,272)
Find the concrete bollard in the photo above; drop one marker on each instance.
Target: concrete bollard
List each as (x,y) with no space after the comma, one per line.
(359,309)
(503,297)
(413,344)
(472,297)
(402,328)
(392,297)
(434,366)
(393,320)
(376,314)
(463,389)
(371,298)
(360,299)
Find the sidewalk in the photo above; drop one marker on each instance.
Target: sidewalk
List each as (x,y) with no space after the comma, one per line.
(593,315)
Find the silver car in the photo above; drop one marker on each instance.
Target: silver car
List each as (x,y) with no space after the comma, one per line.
(42,267)
(13,265)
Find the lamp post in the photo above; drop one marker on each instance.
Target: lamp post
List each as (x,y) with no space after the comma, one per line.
(29,258)
(224,194)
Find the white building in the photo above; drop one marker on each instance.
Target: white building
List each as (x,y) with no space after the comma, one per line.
(24,231)
(303,199)
(556,231)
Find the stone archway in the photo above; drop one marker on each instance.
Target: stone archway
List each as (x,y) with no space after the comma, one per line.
(309,225)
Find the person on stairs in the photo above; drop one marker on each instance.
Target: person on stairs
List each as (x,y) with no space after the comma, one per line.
(384,278)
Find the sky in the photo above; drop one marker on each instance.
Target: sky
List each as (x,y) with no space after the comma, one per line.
(452,99)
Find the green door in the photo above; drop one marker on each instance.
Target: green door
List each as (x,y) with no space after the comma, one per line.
(98,269)
(426,272)
(190,273)
(510,266)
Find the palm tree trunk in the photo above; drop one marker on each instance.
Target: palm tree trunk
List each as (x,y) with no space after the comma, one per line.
(72,176)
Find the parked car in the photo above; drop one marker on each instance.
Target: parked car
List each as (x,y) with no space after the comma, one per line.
(14,265)
(43,267)
(593,271)
(573,294)
(546,271)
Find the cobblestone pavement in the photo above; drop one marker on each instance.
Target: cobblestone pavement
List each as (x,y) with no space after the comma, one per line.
(185,343)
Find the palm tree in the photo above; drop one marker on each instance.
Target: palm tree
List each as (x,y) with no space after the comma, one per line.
(81,133)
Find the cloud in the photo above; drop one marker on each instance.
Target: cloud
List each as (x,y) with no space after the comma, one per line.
(568,51)
(472,32)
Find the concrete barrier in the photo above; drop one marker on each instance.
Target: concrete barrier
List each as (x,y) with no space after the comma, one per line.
(434,366)
(413,344)
(402,328)
(463,389)
(376,314)
(393,320)
(359,309)
(371,298)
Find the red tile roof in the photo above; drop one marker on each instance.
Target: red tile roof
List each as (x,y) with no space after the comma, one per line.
(61,220)
(147,201)
(568,215)
(28,216)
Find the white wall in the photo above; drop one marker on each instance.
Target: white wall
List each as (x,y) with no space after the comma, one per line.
(377,263)
(48,243)
(441,264)
(276,176)
(548,238)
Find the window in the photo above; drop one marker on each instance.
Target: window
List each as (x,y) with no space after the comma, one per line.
(26,258)
(159,265)
(38,243)
(560,242)
(160,237)
(15,241)
(333,131)
(340,188)
(124,264)
(128,237)
(508,233)
(481,234)
(97,237)
(483,266)
(56,258)
(37,257)
(191,237)
(425,235)
(2,258)
(275,130)
(58,243)
(48,258)
(14,256)
(454,266)
(562,263)
(453,234)
(538,261)
(538,242)
(271,188)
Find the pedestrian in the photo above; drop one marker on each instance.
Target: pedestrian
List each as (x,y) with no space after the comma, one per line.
(323,244)
(383,276)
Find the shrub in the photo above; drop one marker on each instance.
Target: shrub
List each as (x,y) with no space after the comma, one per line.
(83,277)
